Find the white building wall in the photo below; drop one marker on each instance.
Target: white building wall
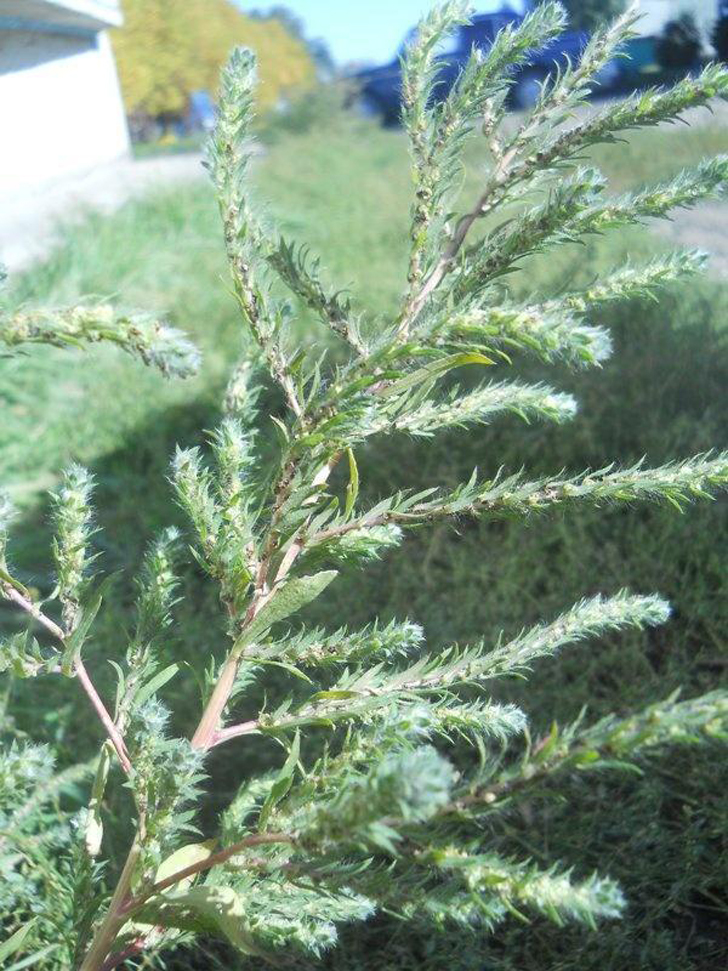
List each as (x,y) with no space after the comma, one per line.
(60,107)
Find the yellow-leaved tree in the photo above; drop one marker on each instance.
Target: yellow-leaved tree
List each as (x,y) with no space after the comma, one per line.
(169,48)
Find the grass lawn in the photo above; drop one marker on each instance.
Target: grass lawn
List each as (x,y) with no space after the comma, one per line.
(346,191)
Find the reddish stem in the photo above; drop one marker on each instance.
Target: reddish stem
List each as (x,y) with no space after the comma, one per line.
(234,731)
(216,859)
(106,720)
(129,952)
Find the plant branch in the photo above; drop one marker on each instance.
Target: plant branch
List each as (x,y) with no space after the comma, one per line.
(14,595)
(129,952)
(464,225)
(105,718)
(234,731)
(116,917)
(206,733)
(217,859)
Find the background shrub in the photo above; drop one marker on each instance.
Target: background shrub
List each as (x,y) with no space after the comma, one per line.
(169,48)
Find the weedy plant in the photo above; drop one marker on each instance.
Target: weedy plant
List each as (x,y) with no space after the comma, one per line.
(398,767)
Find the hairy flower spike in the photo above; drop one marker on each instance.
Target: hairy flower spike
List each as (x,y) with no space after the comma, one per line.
(550,222)
(438,132)
(570,86)
(73,520)
(656,202)
(411,786)
(248,247)
(141,335)
(550,331)
(241,394)
(554,895)
(587,619)
(486,403)
(633,282)
(157,586)
(193,485)
(317,648)
(667,722)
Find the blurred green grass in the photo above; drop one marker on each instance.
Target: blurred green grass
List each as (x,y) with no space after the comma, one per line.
(345,190)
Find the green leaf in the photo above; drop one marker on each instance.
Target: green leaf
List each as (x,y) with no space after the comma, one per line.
(334,694)
(89,610)
(182,858)
(282,430)
(435,370)
(285,666)
(287,600)
(203,909)
(15,941)
(155,684)
(11,582)
(32,960)
(283,783)
(352,490)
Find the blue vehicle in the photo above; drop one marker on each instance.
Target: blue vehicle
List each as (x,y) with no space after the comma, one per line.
(201,112)
(379,89)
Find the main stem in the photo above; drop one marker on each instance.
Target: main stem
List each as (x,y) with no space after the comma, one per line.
(118,913)
(116,916)
(207,729)
(204,738)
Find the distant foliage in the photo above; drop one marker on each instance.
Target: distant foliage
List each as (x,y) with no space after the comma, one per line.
(679,45)
(317,47)
(720,38)
(169,48)
(591,14)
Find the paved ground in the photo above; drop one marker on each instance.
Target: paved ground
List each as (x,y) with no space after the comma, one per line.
(29,223)
(706,228)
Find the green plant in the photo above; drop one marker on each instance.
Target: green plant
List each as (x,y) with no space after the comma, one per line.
(366,813)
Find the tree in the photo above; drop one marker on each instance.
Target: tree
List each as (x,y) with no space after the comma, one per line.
(398,768)
(169,48)
(317,48)
(720,38)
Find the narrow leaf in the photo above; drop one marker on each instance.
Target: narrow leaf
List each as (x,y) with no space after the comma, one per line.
(291,597)
(13,944)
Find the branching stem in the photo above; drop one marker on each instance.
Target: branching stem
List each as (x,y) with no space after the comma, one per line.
(204,738)
(14,595)
(216,859)
(465,224)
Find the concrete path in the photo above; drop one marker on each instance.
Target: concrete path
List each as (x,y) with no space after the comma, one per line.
(29,222)
(706,228)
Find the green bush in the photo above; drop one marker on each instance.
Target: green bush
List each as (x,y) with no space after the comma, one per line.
(663,419)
